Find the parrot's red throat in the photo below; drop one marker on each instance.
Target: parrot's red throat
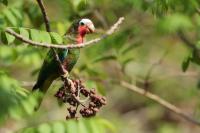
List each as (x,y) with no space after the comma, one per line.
(82,30)
(79,39)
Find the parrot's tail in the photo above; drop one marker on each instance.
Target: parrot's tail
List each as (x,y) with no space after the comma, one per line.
(41,88)
(39,95)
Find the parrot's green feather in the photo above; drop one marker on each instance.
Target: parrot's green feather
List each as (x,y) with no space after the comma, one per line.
(50,69)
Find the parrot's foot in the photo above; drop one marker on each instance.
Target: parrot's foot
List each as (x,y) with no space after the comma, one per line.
(66,75)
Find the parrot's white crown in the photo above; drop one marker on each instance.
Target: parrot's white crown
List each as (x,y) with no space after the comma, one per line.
(85,21)
(88,22)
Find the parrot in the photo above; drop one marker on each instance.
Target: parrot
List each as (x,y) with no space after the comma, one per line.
(50,70)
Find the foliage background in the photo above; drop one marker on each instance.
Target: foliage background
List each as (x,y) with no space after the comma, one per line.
(148,36)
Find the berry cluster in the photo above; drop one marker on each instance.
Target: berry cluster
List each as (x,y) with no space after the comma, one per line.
(89,106)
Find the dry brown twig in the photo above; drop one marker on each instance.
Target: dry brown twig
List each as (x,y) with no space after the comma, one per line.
(160,101)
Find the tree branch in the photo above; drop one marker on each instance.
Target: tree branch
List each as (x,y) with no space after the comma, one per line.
(44,13)
(159,100)
(65,46)
(186,41)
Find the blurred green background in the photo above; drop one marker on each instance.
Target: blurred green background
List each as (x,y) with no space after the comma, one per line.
(145,51)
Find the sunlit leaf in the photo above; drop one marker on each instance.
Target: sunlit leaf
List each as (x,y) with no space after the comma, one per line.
(9,97)
(7,55)
(58,127)
(7,38)
(10,17)
(34,34)
(24,32)
(71,127)
(2,22)
(56,38)
(45,36)
(44,128)
(107,124)
(93,125)
(175,22)
(82,128)
(16,12)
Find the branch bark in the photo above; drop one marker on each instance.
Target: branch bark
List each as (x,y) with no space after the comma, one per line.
(44,13)
(65,46)
(160,101)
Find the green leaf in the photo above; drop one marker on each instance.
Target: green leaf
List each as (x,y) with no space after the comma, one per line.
(35,35)
(23,32)
(16,12)
(71,127)
(2,22)
(56,38)
(101,88)
(10,17)
(29,104)
(105,58)
(29,130)
(195,57)
(58,127)
(174,23)
(82,128)
(90,84)
(107,124)
(10,98)
(44,128)
(7,38)
(92,125)
(185,63)
(45,37)
(8,55)
(129,48)
(5,2)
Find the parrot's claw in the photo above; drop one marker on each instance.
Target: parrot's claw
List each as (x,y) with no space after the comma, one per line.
(66,75)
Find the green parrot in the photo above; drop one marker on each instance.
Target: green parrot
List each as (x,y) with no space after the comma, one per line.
(50,69)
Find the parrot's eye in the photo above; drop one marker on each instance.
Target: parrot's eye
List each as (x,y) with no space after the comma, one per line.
(81,23)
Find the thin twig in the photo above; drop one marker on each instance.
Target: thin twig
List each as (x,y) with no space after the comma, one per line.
(65,46)
(151,69)
(198,10)
(45,16)
(159,100)
(189,44)
(186,41)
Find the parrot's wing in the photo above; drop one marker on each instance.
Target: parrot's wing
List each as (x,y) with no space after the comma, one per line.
(50,66)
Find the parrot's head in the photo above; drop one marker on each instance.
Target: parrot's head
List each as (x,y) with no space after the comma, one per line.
(80,28)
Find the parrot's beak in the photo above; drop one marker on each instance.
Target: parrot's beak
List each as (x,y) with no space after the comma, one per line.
(90,28)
